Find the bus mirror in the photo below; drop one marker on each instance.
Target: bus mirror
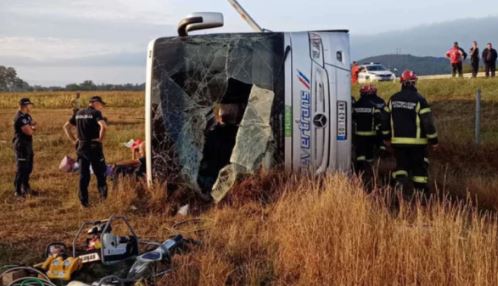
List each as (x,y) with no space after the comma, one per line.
(199,21)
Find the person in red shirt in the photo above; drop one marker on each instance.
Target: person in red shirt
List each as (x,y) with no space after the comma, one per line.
(456,55)
(355,70)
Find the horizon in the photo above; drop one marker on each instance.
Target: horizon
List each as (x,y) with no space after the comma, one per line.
(107,43)
(62,86)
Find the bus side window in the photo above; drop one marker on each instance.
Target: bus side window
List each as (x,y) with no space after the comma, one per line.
(339,56)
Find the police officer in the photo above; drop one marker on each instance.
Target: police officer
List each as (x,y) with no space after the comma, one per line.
(367,118)
(90,128)
(408,125)
(24,128)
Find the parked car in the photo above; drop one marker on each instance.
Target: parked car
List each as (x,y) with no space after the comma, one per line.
(375,72)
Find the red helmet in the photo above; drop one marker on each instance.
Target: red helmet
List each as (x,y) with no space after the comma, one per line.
(408,76)
(368,89)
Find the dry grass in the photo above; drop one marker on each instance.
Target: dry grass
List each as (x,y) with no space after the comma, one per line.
(331,233)
(460,167)
(51,100)
(278,228)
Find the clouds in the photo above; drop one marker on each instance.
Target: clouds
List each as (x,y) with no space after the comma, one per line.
(151,11)
(109,35)
(44,40)
(427,40)
(75,74)
(51,48)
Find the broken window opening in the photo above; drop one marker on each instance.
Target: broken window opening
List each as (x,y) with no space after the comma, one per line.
(219,102)
(221,132)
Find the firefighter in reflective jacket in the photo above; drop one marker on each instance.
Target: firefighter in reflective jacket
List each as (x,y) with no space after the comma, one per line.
(409,127)
(367,119)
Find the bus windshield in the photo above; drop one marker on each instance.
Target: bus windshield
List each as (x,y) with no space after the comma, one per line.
(217,105)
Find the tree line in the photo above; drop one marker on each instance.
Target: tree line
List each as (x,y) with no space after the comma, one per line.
(10,82)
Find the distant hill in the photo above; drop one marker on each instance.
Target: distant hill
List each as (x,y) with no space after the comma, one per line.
(428,40)
(421,65)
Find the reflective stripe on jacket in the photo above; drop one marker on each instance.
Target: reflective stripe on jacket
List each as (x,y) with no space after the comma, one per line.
(407,119)
(367,115)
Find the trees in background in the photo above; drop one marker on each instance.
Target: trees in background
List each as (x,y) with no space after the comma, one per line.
(85,85)
(10,82)
(89,85)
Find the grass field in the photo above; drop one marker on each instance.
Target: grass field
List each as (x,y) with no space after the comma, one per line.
(280,229)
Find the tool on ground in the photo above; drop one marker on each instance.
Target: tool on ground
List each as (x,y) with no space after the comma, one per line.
(104,248)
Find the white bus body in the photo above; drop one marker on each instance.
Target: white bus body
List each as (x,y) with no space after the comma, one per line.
(306,73)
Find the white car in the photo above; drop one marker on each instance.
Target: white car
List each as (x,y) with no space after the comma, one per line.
(375,72)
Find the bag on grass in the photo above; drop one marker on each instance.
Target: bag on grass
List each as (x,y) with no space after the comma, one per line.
(67,164)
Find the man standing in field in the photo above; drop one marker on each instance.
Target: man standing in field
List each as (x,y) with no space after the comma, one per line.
(24,128)
(90,128)
(489,56)
(456,55)
(76,103)
(474,59)
(408,126)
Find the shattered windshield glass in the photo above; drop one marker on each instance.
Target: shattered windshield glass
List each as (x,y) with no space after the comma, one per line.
(218,103)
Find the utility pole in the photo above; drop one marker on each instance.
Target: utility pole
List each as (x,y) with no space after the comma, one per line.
(477,131)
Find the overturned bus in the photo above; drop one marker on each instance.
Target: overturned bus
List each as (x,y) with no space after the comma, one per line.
(220,106)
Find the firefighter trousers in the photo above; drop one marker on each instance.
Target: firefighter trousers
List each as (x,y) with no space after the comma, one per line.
(365,152)
(412,165)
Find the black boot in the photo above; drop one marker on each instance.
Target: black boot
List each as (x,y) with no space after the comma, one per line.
(103,192)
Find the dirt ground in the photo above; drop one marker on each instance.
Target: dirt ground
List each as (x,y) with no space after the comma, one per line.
(276,229)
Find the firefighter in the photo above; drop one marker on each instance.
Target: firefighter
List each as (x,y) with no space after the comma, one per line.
(24,128)
(91,127)
(367,119)
(408,126)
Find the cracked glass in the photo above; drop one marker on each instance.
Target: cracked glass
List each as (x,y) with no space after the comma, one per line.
(218,109)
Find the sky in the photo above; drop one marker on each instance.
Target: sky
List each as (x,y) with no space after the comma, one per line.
(56,42)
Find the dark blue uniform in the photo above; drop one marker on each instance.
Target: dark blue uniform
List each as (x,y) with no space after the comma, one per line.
(23,149)
(367,118)
(90,151)
(408,123)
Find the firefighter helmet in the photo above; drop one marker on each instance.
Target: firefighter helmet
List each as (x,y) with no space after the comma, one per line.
(408,76)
